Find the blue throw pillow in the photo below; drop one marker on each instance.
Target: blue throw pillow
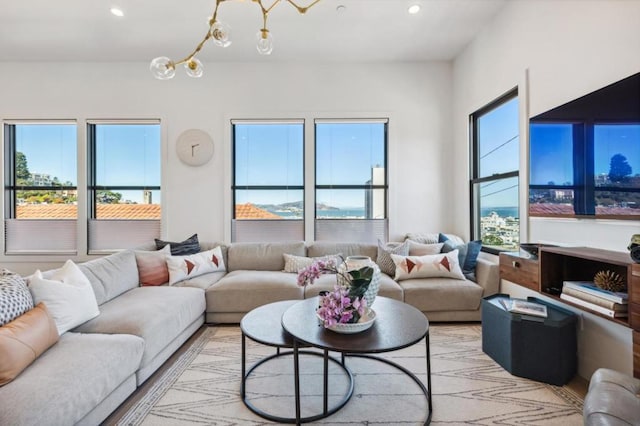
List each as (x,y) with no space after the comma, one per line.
(473,250)
(467,253)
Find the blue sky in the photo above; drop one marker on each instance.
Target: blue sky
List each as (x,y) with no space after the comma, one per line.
(127,154)
(499,153)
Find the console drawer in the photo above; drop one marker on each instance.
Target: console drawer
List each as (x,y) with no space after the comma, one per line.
(520,270)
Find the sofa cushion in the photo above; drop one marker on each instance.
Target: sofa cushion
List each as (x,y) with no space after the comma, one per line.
(152,266)
(15,298)
(182,248)
(321,248)
(242,291)
(388,287)
(68,295)
(112,275)
(423,237)
(194,265)
(24,339)
(70,379)
(202,281)
(442,294)
(431,265)
(262,256)
(294,264)
(157,314)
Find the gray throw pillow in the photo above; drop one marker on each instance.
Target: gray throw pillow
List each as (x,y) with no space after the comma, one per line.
(384,260)
(183,248)
(15,297)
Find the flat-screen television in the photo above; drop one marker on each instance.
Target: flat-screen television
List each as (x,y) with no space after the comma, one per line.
(584,156)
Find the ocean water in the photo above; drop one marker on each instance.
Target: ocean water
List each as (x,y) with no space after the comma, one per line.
(326,214)
(501,211)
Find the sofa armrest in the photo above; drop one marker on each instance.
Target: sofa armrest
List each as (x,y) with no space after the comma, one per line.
(488,276)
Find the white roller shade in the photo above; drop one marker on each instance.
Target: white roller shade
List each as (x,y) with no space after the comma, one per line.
(33,236)
(244,231)
(356,230)
(109,235)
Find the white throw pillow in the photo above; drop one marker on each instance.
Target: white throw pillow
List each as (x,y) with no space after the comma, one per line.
(438,265)
(183,267)
(68,295)
(419,249)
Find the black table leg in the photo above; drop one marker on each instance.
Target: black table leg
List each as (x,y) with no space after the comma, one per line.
(426,340)
(244,377)
(296,374)
(326,382)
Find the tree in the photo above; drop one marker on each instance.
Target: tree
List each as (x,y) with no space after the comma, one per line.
(492,240)
(22,168)
(108,197)
(619,168)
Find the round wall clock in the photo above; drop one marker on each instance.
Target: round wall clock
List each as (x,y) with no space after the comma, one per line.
(194,147)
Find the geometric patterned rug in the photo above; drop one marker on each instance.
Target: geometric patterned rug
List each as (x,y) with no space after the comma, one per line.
(469,388)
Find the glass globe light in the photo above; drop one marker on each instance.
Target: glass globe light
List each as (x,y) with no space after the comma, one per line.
(162,68)
(264,42)
(194,68)
(220,34)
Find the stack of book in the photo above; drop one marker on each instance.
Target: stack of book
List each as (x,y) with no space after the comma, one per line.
(587,294)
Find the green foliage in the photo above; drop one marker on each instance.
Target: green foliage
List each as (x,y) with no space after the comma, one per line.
(22,169)
(619,168)
(108,197)
(360,280)
(492,240)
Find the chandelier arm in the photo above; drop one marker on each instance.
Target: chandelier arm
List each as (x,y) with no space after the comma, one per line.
(196,50)
(302,10)
(206,38)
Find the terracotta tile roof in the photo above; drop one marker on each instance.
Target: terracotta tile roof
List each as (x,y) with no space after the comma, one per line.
(550,209)
(249,211)
(105,211)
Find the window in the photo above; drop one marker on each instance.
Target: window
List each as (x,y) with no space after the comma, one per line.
(123,184)
(351,180)
(494,184)
(268,181)
(40,187)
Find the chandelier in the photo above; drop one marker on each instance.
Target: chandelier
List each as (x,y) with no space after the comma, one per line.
(164,68)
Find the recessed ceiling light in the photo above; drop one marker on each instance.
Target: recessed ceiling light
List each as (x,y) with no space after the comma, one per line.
(341,8)
(414,9)
(117,12)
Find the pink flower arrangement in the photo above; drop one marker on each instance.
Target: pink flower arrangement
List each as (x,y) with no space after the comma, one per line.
(345,304)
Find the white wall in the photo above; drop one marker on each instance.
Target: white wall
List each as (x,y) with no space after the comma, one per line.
(568,48)
(416,98)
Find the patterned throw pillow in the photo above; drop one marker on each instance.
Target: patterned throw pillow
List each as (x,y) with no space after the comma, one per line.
(468,253)
(152,266)
(437,265)
(184,267)
(15,298)
(384,260)
(183,248)
(296,263)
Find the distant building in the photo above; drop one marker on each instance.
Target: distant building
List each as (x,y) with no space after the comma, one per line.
(41,179)
(374,202)
(146,196)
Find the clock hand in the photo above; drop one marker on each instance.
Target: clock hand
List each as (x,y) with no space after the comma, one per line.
(193,147)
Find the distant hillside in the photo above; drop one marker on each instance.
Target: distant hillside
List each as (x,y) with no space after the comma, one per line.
(295,206)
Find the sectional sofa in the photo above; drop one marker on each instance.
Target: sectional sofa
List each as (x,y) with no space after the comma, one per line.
(98,364)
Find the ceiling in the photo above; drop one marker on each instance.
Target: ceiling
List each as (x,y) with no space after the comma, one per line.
(364,31)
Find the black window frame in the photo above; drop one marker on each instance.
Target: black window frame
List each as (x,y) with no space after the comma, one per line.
(475,215)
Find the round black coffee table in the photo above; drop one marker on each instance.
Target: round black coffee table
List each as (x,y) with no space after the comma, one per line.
(264,325)
(397,325)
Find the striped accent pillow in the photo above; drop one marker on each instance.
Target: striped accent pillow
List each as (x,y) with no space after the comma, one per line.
(183,248)
(384,260)
(152,266)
